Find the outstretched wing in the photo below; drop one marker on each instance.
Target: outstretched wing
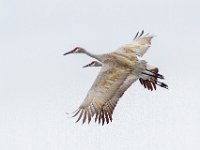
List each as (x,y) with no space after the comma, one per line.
(109,106)
(103,89)
(138,46)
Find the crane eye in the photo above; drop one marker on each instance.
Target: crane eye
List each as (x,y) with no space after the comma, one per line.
(75,50)
(93,63)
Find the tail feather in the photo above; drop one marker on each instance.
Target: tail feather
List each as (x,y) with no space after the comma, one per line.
(149,78)
(162,84)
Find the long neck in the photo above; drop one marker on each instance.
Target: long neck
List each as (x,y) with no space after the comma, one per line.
(93,56)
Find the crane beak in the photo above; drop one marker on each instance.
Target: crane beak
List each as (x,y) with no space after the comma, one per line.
(68,53)
(86,66)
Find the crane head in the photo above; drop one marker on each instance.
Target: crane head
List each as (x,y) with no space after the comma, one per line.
(93,64)
(75,50)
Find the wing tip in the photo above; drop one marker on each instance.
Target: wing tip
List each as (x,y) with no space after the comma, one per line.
(141,34)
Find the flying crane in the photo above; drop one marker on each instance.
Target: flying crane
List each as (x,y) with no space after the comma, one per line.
(119,70)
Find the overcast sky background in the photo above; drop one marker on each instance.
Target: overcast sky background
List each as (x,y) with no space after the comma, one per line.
(38,84)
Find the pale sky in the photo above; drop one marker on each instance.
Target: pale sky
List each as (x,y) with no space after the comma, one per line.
(39,85)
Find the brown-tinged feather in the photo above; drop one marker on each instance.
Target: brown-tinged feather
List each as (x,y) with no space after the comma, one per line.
(97,115)
(110,115)
(149,85)
(145,86)
(76,112)
(85,116)
(89,115)
(100,115)
(92,109)
(110,108)
(80,116)
(154,85)
(141,81)
(103,118)
(106,116)
(111,104)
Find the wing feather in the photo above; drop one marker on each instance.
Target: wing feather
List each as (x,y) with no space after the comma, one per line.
(136,35)
(79,115)
(106,116)
(89,115)
(85,115)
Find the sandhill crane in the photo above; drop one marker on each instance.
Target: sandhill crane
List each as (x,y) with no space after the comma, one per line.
(119,69)
(148,81)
